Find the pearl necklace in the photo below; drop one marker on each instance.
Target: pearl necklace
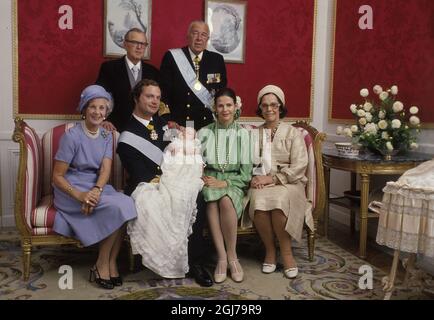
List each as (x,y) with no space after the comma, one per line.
(89,133)
(217,150)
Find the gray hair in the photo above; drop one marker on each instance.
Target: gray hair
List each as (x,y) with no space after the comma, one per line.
(133,30)
(197,22)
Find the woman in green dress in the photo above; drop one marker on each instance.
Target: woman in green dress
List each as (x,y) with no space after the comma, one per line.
(226,151)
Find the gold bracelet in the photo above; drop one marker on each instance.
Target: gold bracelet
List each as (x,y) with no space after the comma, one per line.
(69,189)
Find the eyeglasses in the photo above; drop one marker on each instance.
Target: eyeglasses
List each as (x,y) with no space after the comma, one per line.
(137,43)
(273,105)
(198,34)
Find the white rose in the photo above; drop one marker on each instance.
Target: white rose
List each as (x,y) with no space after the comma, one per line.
(378,89)
(367,106)
(354,128)
(383,95)
(362,121)
(382,124)
(381,114)
(394,90)
(239,102)
(347,132)
(339,130)
(353,108)
(371,128)
(361,113)
(414,110)
(396,123)
(397,106)
(389,146)
(384,135)
(368,116)
(414,145)
(364,93)
(414,120)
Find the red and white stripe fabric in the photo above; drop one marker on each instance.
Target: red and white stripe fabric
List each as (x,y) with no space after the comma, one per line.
(50,144)
(33,180)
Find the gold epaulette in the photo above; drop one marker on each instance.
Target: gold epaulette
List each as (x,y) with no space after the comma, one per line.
(163,109)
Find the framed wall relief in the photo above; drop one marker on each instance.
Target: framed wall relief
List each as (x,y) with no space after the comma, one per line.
(121,16)
(227,23)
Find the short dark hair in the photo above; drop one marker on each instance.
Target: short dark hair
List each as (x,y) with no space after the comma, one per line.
(226,92)
(133,30)
(138,89)
(282,108)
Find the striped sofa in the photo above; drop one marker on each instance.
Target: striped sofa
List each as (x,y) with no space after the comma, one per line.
(34,210)
(315,188)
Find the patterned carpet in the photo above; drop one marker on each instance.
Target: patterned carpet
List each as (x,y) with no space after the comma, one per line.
(332,275)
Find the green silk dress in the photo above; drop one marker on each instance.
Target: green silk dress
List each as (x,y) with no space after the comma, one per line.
(227,154)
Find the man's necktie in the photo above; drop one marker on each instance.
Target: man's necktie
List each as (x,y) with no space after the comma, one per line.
(135,71)
(150,126)
(196,61)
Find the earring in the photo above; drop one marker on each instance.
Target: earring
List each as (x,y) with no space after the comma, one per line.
(83,117)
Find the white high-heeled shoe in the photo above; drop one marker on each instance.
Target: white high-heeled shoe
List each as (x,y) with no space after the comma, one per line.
(291,273)
(268,267)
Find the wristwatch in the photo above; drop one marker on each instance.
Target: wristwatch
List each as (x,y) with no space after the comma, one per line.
(98,187)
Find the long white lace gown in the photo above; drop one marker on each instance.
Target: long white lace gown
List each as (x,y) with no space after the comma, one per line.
(407,212)
(166,212)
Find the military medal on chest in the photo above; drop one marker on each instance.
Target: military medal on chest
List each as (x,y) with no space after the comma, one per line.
(154,135)
(197,86)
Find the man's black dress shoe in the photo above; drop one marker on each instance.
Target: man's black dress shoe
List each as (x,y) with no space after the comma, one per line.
(201,276)
(117,281)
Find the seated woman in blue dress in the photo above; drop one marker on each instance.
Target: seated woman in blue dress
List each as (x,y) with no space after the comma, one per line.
(226,149)
(89,209)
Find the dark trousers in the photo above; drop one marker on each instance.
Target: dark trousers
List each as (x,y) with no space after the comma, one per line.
(197,245)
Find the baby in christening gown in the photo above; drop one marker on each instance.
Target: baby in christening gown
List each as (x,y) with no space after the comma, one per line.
(167,210)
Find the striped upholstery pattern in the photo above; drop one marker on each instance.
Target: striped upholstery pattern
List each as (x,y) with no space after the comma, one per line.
(50,144)
(33,179)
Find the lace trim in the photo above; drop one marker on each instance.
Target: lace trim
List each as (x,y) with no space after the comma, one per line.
(408,242)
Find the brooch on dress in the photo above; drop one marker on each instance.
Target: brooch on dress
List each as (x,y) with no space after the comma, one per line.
(104,134)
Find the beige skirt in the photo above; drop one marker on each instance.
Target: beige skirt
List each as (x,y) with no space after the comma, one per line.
(290,198)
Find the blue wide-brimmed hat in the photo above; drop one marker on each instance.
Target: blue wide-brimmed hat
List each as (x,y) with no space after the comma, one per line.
(93,92)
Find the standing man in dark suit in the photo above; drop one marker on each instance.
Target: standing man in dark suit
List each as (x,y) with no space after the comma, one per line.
(190,76)
(121,75)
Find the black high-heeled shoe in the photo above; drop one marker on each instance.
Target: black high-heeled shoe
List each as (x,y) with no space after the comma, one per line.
(103,283)
(117,281)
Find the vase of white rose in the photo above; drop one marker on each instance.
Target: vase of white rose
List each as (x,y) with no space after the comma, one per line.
(383,125)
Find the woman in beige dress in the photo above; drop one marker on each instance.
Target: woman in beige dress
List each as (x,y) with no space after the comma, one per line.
(278,205)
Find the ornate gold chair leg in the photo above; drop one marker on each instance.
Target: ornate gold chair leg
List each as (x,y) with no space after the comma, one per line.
(27,251)
(311,244)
